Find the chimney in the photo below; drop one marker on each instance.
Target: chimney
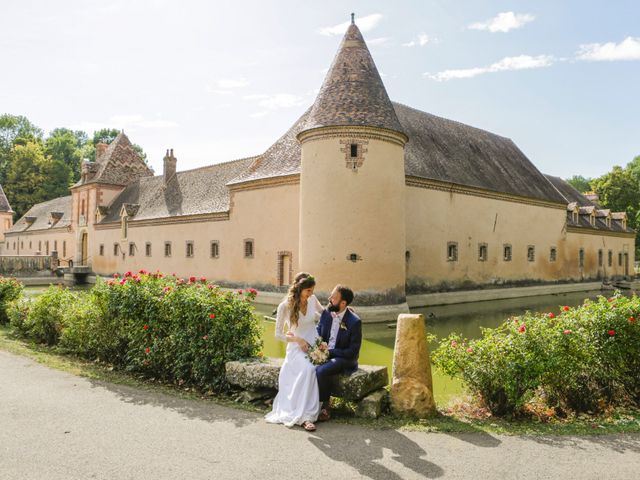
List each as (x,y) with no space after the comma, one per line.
(100,149)
(169,166)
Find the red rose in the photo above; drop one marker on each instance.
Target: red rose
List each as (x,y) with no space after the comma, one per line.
(469,350)
(253,291)
(551,315)
(203,279)
(567,332)
(147,350)
(454,344)
(632,319)
(566,308)
(146,327)
(123,281)
(192,279)
(127,274)
(212,316)
(210,287)
(116,275)
(239,292)
(611,333)
(523,328)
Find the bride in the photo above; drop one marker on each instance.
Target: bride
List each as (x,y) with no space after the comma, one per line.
(298,401)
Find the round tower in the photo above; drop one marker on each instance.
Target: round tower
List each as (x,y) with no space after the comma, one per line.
(352,183)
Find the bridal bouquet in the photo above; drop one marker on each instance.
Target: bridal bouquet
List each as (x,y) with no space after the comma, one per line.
(318,352)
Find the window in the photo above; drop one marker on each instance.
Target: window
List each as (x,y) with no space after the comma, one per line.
(553,254)
(619,259)
(248,248)
(407,256)
(167,249)
(531,253)
(102,249)
(610,258)
(125,227)
(115,249)
(46,246)
(55,245)
(574,217)
(506,252)
(21,245)
(30,245)
(40,245)
(189,248)
(592,219)
(132,249)
(147,249)
(215,249)
(482,252)
(354,150)
(581,258)
(600,257)
(452,251)
(64,248)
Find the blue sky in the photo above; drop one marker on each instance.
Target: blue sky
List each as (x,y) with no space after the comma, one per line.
(223,80)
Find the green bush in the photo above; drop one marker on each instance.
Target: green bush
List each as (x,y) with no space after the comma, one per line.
(157,326)
(44,321)
(18,313)
(579,360)
(10,291)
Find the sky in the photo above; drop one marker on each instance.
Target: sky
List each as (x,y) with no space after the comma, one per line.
(222,80)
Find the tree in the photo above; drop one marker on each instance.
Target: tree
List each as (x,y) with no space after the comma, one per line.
(580,183)
(25,177)
(12,128)
(107,135)
(66,146)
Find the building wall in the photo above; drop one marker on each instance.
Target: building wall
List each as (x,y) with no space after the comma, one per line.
(591,244)
(35,243)
(435,218)
(268,216)
(359,211)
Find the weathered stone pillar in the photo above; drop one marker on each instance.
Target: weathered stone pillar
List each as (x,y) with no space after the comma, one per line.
(412,384)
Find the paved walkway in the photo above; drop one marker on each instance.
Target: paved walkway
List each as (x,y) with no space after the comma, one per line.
(54,425)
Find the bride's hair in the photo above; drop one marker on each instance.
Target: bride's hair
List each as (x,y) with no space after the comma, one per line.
(302,281)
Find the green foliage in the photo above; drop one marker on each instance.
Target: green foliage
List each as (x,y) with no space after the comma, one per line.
(156,326)
(18,313)
(65,147)
(580,360)
(10,291)
(14,128)
(580,183)
(25,177)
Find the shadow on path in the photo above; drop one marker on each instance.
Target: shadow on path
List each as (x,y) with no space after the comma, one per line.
(195,409)
(363,450)
(619,443)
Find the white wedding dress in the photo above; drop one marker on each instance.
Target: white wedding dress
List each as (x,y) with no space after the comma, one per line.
(298,399)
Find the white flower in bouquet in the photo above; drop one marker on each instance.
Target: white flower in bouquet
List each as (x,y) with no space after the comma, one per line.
(318,353)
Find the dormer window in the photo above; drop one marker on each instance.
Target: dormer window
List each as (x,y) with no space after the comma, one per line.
(574,217)
(592,220)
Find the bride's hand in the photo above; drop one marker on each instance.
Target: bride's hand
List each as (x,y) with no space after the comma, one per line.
(304,346)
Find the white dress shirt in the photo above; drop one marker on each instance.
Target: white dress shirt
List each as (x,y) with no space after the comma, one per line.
(335,327)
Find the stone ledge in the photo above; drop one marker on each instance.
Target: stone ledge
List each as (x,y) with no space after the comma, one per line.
(255,374)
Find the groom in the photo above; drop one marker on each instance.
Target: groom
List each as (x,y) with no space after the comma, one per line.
(342,330)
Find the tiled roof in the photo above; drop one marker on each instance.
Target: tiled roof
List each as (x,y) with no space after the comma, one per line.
(190,192)
(41,214)
(353,92)
(118,165)
(4,203)
(570,194)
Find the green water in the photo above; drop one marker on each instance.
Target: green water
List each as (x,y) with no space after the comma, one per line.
(465,318)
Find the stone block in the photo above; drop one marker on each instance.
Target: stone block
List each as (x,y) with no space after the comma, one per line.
(373,404)
(256,374)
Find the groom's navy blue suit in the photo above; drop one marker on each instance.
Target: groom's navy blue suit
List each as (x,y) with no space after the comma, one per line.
(344,357)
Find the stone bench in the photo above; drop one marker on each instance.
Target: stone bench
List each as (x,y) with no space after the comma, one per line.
(365,386)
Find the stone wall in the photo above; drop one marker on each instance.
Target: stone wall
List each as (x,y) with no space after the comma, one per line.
(25,266)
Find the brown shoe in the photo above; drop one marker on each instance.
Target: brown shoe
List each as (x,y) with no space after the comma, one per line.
(325,414)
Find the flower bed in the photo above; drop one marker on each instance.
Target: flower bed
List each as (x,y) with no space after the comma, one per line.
(159,326)
(584,359)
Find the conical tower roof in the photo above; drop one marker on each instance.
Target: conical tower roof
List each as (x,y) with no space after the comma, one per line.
(353,93)
(4,203)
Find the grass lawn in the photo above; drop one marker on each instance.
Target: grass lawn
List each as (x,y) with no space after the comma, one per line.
(458,417)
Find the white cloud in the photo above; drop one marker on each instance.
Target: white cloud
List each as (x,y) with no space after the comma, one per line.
(628,49)
(276,101)
(504,22)
(421,41)
(364,24)
(225,86)
(521,62)
(378,41)
(257,114)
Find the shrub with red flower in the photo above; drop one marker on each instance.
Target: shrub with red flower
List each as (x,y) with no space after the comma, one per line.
(203,279)
(632,319)
(611,332)
(128,274)
(192,279)
(145,327)
(566,308)
(147,350)
(567,332)
(116,275)
(523,328)
(551,315)
(212,316)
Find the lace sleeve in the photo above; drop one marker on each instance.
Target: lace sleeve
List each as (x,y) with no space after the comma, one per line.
(282,319)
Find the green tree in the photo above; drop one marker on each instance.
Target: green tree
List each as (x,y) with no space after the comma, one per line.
(66,146)
(25,177)
(580,183)
(12,128)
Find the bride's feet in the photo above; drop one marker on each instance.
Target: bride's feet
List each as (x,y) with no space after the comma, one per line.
(309,427)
